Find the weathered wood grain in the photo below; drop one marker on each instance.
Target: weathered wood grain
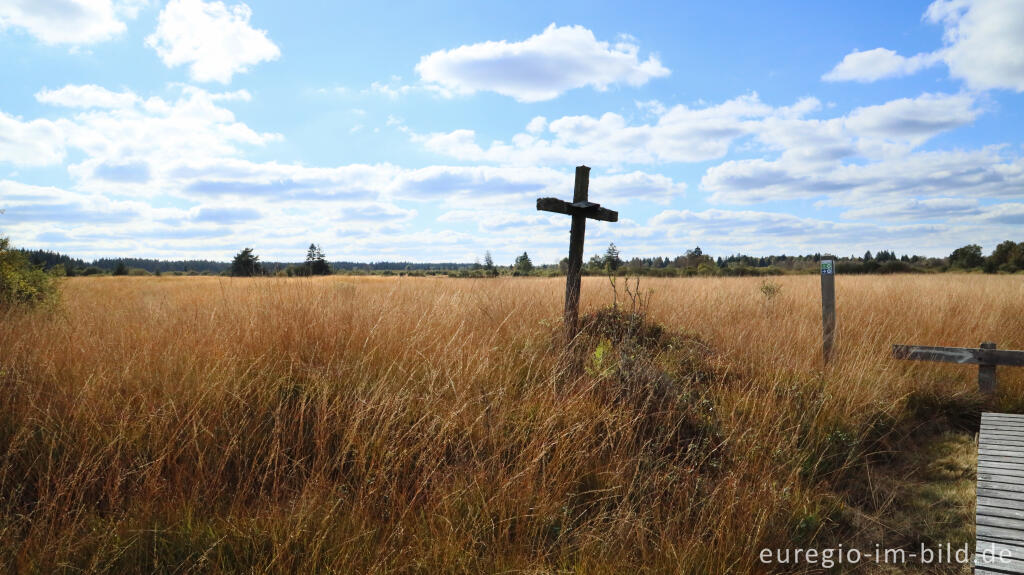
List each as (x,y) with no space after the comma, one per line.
(963,355)
(1000,522)
(582,208)
(1001,502)
(1000,512)
(1005,467)
(1012,416)
(994,563)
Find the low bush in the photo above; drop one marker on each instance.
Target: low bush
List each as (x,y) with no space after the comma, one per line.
(21,283)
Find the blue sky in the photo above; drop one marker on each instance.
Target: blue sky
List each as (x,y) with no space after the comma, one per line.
(425,131)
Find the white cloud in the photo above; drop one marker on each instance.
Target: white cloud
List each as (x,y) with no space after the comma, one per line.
(214,40)
(872,65)
(884,130)
(818,156)
(537,125)
(914,120)
(35,143)
(391,90)
(652,107)
(680,134)
(684,134)
(984,47)
(127,147)
(542,67)
(29,205)
(727,231)
(86,96)
(67,21)
(236,96)
(1007,214)
(915,209)
(376,212)
(984,41)
(224,215)
(638,186)
(127,140)
(940,173)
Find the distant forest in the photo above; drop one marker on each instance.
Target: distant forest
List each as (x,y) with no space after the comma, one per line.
(1007,257)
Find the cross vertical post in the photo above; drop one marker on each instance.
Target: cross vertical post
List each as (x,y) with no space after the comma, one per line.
(580,209)
(580,193)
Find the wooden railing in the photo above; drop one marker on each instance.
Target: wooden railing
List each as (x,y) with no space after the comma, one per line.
(986,357)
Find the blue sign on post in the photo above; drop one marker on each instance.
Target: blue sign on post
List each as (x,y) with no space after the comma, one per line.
(826,267)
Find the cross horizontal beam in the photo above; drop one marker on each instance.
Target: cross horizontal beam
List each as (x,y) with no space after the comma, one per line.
(963,355)
(586,209)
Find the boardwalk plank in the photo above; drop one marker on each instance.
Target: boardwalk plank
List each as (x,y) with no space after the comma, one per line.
(1000,428)
(993,466)
(1001,522)
(1000,502)
(1000,534)
(998,493)
(995,458)
(998,564)
(1000,486)
(997,423)
(1002,452)
(1000,440)
(997,511)
(994,547)
(997,433)
(999,476)
(1010,567)
(1002,443)
(989,419)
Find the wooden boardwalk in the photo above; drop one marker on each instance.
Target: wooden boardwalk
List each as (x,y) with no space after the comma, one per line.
(1000,506)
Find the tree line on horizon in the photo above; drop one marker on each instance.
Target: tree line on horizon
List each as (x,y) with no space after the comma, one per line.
(1007,257)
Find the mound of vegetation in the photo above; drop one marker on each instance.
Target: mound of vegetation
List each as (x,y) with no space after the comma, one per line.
(663,377)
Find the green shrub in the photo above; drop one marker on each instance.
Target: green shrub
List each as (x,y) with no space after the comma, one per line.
(20,282)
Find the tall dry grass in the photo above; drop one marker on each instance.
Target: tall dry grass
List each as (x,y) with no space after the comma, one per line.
(369,425)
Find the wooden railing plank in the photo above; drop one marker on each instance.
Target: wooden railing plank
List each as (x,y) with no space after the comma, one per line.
(986,357)
(962,355)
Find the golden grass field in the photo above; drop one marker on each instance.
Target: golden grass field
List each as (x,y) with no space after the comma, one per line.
(426,425)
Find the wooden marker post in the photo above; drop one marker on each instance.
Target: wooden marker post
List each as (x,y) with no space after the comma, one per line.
(987,372)
(828,308)
(580,209)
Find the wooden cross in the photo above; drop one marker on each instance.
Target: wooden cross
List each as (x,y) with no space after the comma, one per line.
(580,209)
